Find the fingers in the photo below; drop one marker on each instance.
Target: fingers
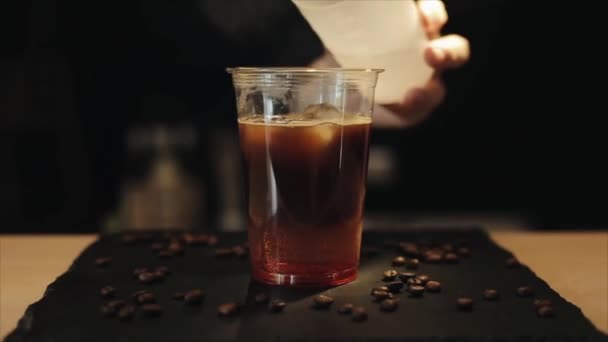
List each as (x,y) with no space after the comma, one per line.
(447,52)
(418,103)
(434,16)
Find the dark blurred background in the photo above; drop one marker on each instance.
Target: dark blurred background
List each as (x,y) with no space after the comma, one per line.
(116,114)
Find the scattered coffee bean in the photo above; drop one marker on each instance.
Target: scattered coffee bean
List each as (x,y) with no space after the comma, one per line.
(147,277)
(542,302)
(322,302)
(395,287)
(490,294)
(412,264)
(381,295)
(525,291)
(389,275)
(398,261)
(107,292)
(179,295)
(165,254)
(176,248)
(545,311)
(464,303)
(433,258)
(228,309)
(414,281)
(448,247)
(380,288)
(512,262)
(103,262)
(135,295)
(345,309)
(194,297)
(163,270)
(239,251)
(277,305)
(261,298)
(406,275)
(126,313)
(423,278)
(409,249)
(139,270)
(223,252)
(388,305)
(463,251)
(452,258)
(156,246)
(145,298)
(359,314)
(195,240)
(152,310)
(415,290)
(212,240)
(111,308)
(433,286)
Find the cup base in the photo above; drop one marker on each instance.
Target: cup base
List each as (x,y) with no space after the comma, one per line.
(306,280)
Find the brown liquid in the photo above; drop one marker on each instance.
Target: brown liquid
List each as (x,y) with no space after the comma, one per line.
(305,191)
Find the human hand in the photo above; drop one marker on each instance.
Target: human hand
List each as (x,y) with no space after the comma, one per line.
(442,53)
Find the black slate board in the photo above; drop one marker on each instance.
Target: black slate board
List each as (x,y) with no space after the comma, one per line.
(70,308)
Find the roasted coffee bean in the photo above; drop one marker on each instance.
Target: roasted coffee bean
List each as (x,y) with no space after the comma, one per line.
(126,313)
(414,281)
(165,254)
(406,275)
(146,297)
(139,270)
(542,302)
(415,290)
(228,309)
(107,292)
(277,305)
(398,261)
(448,247)
(463,251)
(107,311)
(179,295)
(239,251)
(157,246)
(359,314)
(111,308)
(409,249)
(388,305)
(152,310)
(135,295)
(322,302)
(525,291)
(147,277)
(103,262)
(423,278)
(223,252)
(451,258)
(380,288)
(176,248)
(163,270)
(490,294)
(195,240)
(194,297)
(464,303)
(389,275)
(433,286)
(212,240)
(433,258)
(381,295)
(412,264)
(545,311)
(512,263)
(395,287)
(346,309)
(261,298)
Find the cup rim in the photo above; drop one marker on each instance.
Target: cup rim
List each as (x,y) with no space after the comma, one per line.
(299,70)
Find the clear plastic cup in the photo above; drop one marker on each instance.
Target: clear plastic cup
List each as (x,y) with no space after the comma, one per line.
(304,136)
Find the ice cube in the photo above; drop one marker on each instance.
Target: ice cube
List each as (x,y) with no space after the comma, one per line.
(324,134)
(322,111)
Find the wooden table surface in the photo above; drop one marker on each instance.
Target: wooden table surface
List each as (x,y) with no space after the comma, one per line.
(574,264)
